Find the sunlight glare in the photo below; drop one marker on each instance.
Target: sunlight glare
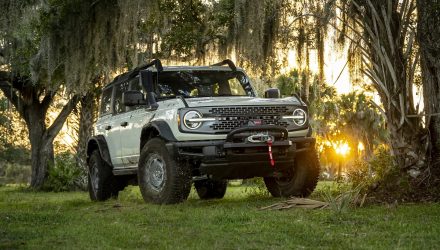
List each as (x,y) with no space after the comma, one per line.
(342,148)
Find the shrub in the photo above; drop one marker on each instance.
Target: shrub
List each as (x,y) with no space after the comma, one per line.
(65,175)
(379,176)
(361,173)
(12,173)
(377,169)
(343,197)
(15,154)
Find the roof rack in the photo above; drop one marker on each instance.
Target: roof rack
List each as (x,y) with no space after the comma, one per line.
(156,62)
(226,62)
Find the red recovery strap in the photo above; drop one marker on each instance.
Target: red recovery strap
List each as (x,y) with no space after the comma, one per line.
(269,144)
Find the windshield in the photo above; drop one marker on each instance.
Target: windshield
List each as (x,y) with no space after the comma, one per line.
(190,84)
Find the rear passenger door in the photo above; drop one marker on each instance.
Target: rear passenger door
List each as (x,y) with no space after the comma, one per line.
(105,126)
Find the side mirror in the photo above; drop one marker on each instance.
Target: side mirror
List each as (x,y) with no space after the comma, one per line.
(272,93)
(133,98)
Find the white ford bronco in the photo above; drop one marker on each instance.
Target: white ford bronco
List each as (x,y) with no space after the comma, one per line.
(165,128)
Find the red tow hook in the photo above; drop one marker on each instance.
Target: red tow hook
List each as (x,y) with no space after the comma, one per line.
(269,144)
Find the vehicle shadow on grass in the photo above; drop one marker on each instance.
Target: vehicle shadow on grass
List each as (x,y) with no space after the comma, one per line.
(235,196)
(131,198)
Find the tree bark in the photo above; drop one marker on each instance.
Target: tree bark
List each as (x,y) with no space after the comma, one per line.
(87,118)
(41,156)
(428,34)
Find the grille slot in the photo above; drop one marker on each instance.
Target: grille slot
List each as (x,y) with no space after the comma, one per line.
(243,110)
(230,118)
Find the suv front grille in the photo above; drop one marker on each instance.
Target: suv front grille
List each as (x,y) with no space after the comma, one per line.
(235,117)
(251,110)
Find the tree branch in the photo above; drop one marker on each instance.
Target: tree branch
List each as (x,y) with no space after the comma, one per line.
(56,126)
(382,112)
(47,100)
(9,92)
(423,115)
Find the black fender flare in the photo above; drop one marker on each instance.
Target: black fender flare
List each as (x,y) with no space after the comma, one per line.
(157,128)
(99,142)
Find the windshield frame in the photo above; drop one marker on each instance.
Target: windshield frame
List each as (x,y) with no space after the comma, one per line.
(189,77)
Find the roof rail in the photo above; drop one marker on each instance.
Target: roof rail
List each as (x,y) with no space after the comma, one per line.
(156,62)
(226,62)
(135,71)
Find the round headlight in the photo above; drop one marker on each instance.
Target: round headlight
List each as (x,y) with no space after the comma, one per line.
(299,117)
(190,119)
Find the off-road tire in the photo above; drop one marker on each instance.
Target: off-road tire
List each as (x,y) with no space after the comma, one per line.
(301,182)
(211,189)
(102,184)
(176,178)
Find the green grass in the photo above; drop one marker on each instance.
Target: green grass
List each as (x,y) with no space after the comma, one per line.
(70,220)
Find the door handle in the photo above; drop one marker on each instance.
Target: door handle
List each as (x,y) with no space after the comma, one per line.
(124,124)
(108,127)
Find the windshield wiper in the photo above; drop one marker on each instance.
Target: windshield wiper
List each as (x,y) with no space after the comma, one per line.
(198,96)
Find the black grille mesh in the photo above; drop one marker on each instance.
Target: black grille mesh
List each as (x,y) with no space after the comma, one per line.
(235,117)
(243,110)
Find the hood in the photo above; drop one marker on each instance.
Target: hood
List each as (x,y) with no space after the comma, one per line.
(241,101)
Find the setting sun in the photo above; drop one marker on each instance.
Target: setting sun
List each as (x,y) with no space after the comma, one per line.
(342,148)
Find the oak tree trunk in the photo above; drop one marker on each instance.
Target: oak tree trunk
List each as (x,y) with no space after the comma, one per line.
(42,157)
(87,118)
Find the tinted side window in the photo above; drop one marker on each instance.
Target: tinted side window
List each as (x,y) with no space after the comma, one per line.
(118,106)
(106,100)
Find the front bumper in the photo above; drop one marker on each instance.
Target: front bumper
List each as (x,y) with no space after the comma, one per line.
(237,158)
